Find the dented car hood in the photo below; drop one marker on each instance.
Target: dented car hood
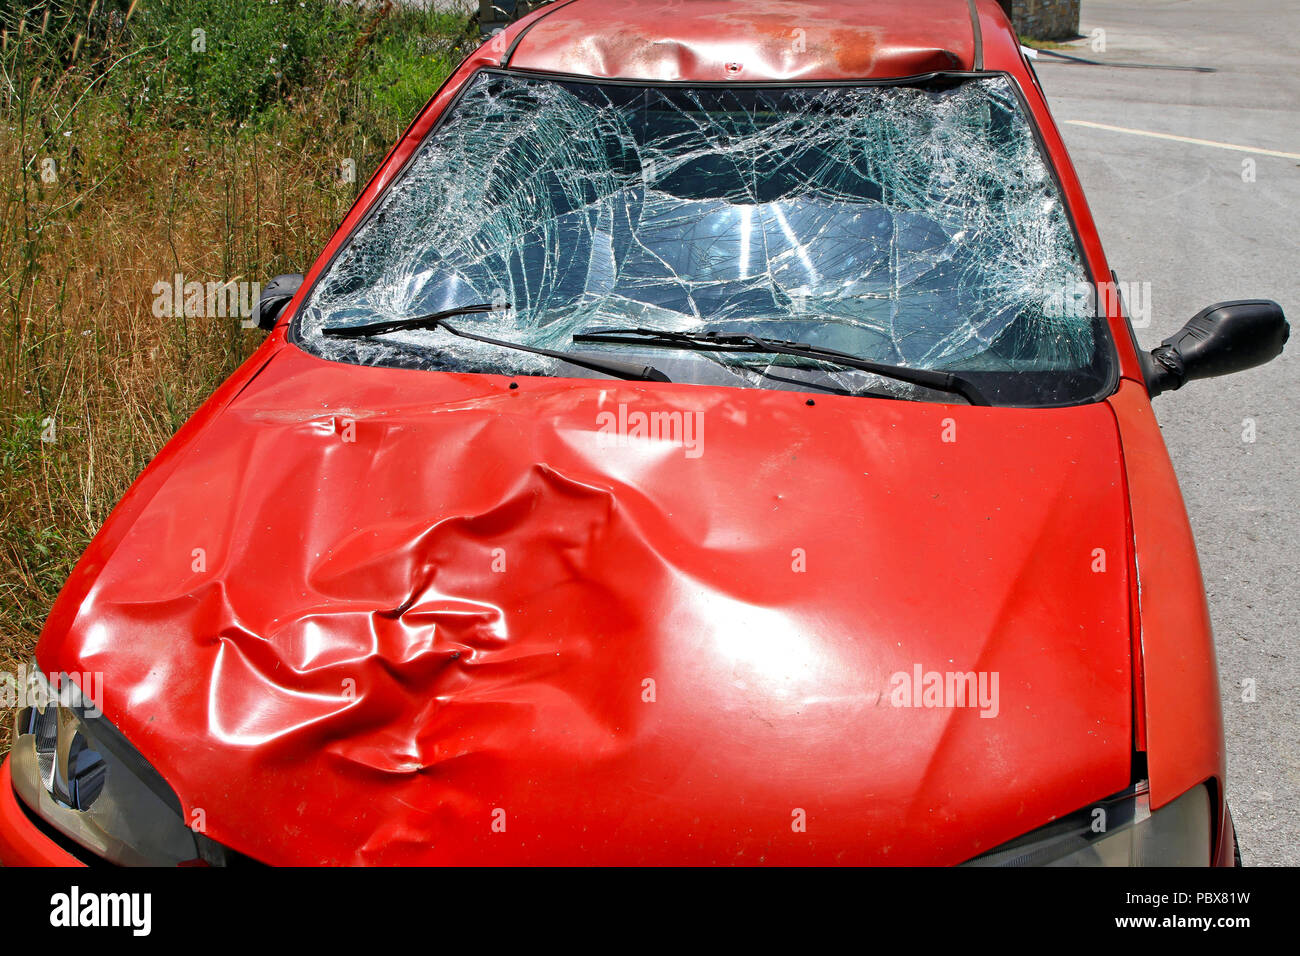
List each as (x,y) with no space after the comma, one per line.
(376,615)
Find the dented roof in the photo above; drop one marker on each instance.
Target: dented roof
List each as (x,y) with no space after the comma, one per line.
(752,40)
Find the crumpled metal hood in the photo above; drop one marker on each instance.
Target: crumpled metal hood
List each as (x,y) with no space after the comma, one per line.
(440,619)
(748,40)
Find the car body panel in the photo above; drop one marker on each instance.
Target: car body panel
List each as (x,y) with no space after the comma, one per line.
(747,40)
(21,841)
(347,679)
(522,691)
(1183,717)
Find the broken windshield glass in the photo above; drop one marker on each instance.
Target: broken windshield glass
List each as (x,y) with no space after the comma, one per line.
(908,225)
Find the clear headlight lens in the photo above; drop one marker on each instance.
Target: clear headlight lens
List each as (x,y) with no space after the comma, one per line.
(77,772)
(1119,831)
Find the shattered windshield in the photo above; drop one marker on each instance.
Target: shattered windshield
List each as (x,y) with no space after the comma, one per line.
(909,225)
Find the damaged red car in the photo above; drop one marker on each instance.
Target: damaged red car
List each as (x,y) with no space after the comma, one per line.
(709,439)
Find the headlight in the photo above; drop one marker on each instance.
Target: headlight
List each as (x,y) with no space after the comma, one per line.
(77,772)
(1119,831)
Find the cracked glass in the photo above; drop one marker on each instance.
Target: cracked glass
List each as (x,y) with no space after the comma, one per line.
(914,225)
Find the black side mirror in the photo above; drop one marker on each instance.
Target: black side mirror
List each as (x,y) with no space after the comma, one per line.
(1227,337)
(275,296)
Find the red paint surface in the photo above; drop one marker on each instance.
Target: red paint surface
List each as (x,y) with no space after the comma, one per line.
(1184,723)
(749,40)
(21,843)
(348,680)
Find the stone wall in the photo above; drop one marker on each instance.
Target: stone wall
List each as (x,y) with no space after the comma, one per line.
(1044,19)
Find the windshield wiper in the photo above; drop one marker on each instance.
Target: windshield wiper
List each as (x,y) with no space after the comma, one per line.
(437,320)
(741,342)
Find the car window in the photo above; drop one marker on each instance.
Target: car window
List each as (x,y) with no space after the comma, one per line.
(913,225)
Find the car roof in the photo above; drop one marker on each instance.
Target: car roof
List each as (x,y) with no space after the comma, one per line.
(755,40)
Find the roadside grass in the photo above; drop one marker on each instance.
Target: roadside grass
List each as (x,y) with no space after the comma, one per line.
(129,156)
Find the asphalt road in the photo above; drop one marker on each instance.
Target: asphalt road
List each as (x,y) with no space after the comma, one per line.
(1185,218)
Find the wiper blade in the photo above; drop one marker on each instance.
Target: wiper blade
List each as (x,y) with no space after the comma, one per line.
(742,342)
(437,320)
(430,321)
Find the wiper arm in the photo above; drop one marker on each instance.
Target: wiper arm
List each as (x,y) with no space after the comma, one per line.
(437,320)
(741,342)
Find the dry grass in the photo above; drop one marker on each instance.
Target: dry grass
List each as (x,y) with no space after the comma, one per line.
(92,383)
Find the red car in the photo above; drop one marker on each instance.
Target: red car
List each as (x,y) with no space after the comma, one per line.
(710,438)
